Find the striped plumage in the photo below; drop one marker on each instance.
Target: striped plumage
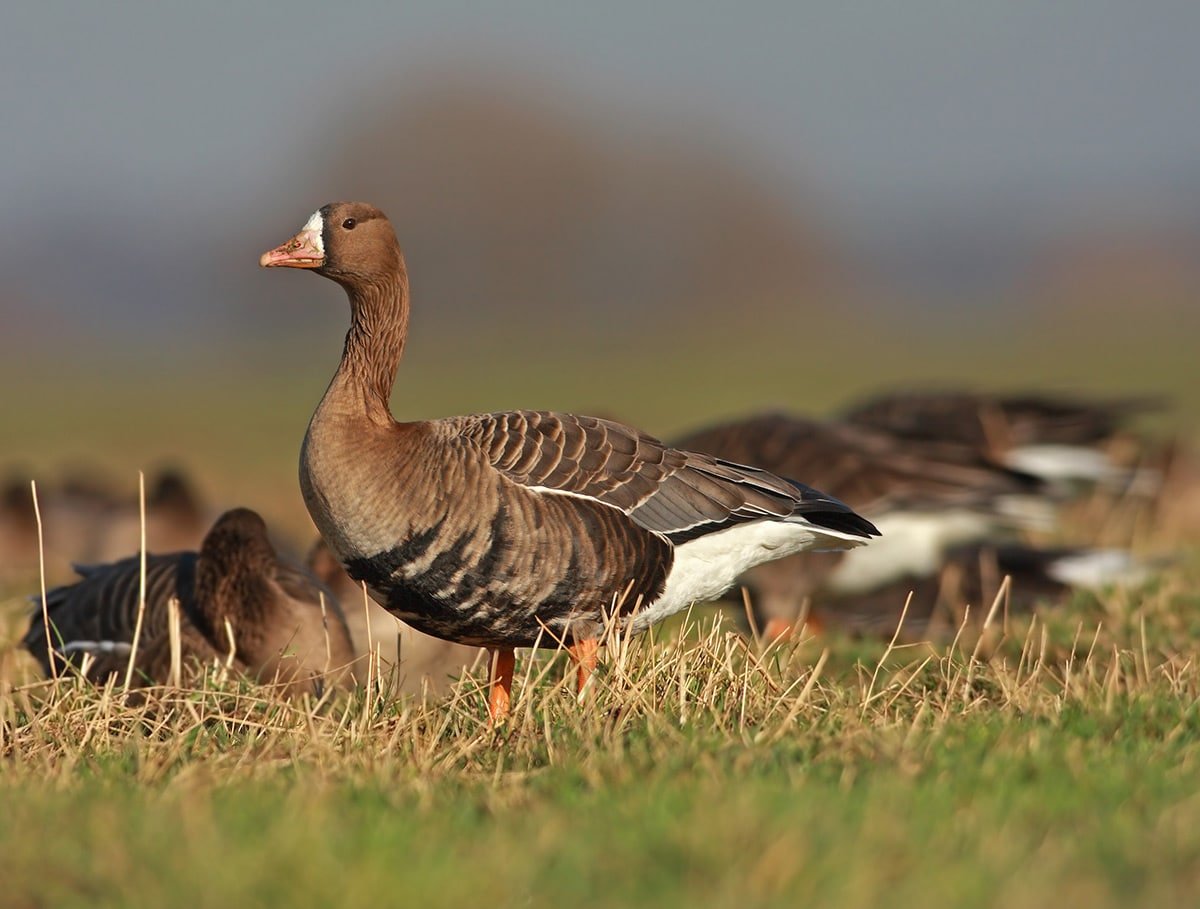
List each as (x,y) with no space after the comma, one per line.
(502,530)
(871,470)
(235,583)
(415,662)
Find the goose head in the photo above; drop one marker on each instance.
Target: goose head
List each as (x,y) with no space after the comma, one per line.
(238,539)
(351,243)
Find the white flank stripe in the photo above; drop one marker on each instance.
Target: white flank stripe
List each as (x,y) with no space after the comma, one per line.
(550,490)
(121,648)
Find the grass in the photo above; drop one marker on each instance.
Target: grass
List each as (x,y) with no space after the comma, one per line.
(1024,768)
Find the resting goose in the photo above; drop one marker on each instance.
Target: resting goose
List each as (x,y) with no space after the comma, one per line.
(927,498)
(273,611)
(510,530)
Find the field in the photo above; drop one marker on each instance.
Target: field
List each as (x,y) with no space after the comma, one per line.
(1044,761)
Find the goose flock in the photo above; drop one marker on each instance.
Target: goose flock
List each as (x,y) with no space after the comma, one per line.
(540,529)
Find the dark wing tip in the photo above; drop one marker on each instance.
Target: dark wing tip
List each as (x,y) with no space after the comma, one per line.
(832,514)
(843,522)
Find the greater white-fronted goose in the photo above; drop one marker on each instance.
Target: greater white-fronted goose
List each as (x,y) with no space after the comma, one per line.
(1060,438)
(420,662)
(514,529)
(927,498)
(235,585)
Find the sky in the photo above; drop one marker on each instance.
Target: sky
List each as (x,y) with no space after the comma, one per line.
(167,123)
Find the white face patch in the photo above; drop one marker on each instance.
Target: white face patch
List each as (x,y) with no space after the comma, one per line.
(315,226)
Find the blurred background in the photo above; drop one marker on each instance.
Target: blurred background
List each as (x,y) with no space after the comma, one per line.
(668,214)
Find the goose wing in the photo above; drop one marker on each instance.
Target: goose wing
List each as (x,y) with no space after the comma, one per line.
(98,613)
(870,469)
(678,494)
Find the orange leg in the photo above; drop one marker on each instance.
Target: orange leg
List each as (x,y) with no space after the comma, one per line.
(777,630)
(585,654)
(500,692)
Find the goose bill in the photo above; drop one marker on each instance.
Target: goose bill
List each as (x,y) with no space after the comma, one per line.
(302,251)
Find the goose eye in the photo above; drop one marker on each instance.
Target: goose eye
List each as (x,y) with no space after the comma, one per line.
(349,223)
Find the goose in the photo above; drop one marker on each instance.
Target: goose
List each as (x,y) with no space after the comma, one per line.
(18,531)
(71,513)
(421,662)
(523,528)
(970,576)
(86,519)
(280,632)
(176,519)
(926,497)
(1062,439)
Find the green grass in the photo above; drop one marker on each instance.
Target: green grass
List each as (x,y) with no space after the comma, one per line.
(1029,812)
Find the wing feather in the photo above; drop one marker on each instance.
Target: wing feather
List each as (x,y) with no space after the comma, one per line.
(679,494)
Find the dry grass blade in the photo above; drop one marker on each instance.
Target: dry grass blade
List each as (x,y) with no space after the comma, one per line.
(176,642)
(37,514)
(870,695)
(141,604)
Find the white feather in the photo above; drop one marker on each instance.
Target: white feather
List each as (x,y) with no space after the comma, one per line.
(1099,568)
(912,544)
(1064,463)
(120,648)
(704,568)
(315,226)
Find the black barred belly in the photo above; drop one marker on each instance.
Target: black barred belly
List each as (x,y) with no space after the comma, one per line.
(543,568)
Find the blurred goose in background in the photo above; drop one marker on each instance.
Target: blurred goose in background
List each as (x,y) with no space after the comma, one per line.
(177,518)
(18,531)
(86,518)
(71,512)
(516,529)
(969,578)
(1064,440)
(420,662)
(285,628)
(936,504)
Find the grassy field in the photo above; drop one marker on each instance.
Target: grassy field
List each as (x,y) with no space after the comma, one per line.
(1043,762)
(1055,762)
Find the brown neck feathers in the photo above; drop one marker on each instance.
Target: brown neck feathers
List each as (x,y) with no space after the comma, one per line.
(375,342)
